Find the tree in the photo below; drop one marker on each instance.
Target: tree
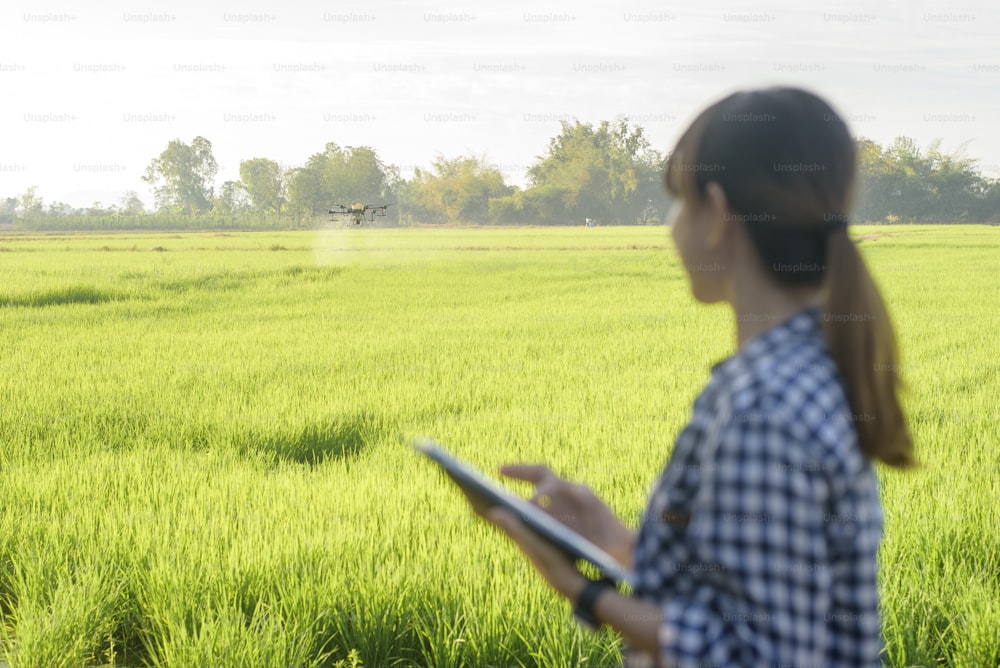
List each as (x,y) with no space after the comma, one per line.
(955,185)
(341,176)
(353,175)
(29,204)
(609,173)
(185,175)
(304,192)
(60,209)
(262,180)
(458,189)
(364,175)
(233,199)
(8,209)
(98,209)
(902,183)
(874,189)
(130,204)
(651,190)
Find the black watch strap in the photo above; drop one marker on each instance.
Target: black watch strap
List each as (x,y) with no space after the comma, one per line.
(583,609)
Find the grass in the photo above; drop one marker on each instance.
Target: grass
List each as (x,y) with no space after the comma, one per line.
(201,461)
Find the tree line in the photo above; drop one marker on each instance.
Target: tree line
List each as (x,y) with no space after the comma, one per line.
(598,174)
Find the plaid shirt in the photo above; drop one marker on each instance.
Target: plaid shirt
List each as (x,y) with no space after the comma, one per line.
(758,543)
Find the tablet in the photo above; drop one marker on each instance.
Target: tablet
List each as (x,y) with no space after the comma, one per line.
(568,541)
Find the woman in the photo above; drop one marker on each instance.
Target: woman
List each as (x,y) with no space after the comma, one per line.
(758,543)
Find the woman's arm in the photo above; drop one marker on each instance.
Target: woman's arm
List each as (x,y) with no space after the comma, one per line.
(637,621)
(576,506)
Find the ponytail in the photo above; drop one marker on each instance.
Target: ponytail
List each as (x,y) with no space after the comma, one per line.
(863,346)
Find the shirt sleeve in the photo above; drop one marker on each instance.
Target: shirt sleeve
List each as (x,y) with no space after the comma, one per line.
(758,556)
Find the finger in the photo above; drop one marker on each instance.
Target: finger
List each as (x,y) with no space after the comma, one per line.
(502,517)
(580,493)
(508,523)
(534,473)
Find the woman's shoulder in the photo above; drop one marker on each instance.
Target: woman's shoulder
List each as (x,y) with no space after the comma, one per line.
(793,393)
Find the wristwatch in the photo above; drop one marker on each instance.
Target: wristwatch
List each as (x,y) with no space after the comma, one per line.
(583,608)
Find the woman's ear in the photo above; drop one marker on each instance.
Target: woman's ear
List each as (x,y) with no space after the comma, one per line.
(716,214)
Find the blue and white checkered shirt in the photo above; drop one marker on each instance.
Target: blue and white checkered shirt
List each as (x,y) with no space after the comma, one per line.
(759,540)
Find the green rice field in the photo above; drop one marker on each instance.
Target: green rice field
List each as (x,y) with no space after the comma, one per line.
(204,454)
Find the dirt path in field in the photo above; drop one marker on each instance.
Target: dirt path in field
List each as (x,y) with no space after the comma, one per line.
(874,235)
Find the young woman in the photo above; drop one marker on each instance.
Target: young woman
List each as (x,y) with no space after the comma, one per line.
(758,544)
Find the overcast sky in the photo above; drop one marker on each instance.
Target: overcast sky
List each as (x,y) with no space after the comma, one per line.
(91,94)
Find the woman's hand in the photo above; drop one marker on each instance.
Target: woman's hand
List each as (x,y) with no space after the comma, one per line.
(558,570)
(637,621)
(578,508)
(575,506)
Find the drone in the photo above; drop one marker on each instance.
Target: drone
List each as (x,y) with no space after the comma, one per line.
(358,211)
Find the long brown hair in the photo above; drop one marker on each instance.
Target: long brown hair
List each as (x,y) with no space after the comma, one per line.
(787,163)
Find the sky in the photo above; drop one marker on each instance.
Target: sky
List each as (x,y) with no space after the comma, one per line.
(90,95)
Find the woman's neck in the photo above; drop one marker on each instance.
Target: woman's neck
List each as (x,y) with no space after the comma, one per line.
(759,305)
